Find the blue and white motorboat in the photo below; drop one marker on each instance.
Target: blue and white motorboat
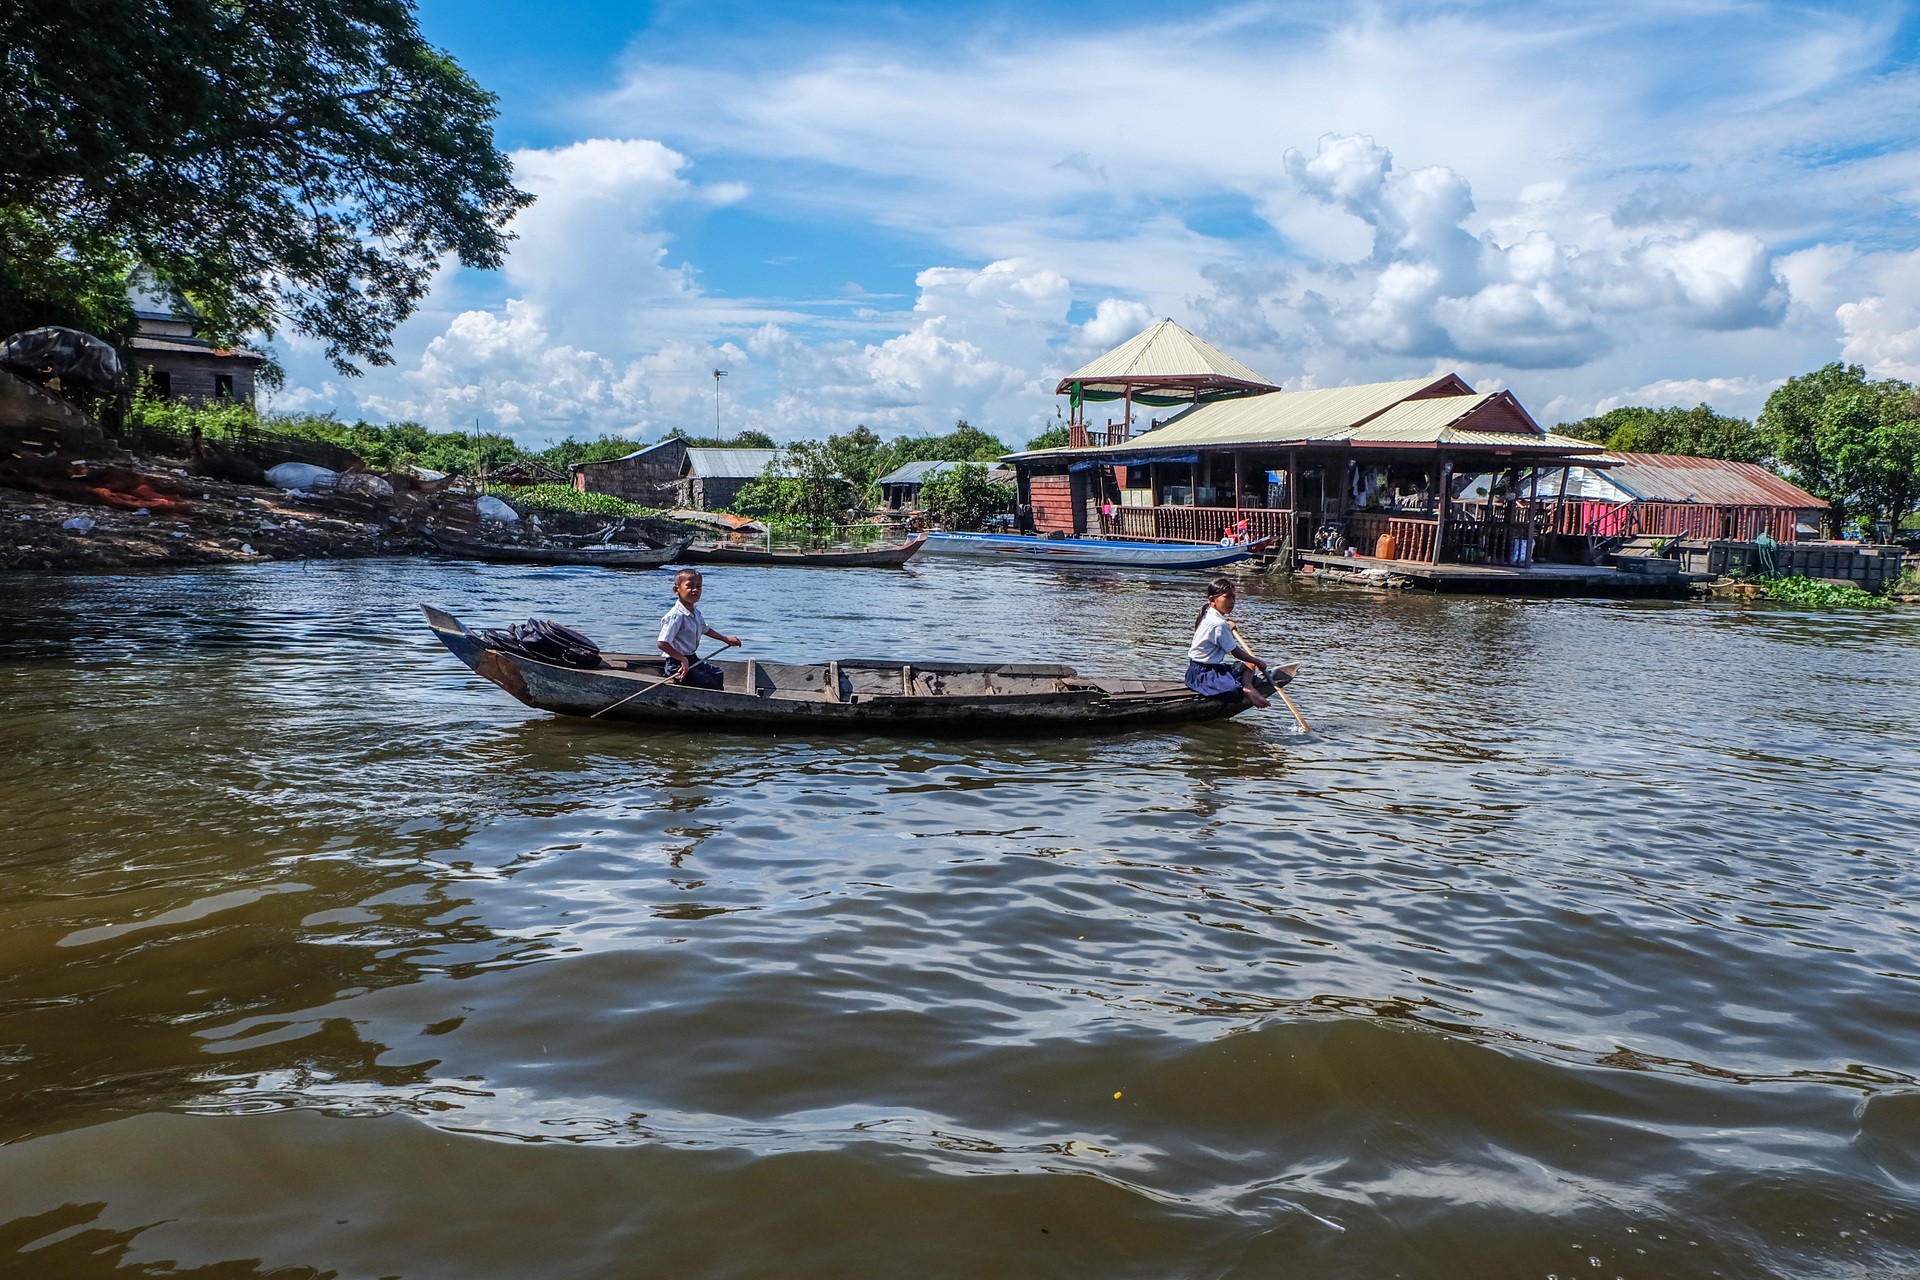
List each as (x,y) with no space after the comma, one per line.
(1092,551)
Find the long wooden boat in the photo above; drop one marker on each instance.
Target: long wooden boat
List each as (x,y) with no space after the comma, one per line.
(1093,551)
(880,558)
(857,694)
(606,555)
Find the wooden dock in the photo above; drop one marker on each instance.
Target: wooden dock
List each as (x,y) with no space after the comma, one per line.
(1495,579)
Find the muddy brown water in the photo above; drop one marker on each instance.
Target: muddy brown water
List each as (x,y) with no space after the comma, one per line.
(1578,940)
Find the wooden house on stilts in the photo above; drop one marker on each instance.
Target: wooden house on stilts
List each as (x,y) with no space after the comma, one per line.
(1382,468)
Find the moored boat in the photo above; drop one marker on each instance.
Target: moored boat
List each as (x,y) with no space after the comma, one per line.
(1093,551)
(605,555)
(858,694)
(878,558)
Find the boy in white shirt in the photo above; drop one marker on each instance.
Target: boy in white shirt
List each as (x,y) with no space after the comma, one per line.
(681,629)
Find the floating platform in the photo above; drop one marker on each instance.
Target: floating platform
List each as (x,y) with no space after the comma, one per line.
(1498,579)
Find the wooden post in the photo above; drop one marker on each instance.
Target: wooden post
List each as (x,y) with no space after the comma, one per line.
(1293,498)
(1129,417)
(1513,500)
(1443,491)
(1533,515)
(1238,467)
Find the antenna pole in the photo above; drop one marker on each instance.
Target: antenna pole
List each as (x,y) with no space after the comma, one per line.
(717,375)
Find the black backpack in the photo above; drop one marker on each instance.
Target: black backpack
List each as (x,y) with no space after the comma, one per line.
(545,642)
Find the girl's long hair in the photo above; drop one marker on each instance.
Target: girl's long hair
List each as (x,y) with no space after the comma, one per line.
(1220,586)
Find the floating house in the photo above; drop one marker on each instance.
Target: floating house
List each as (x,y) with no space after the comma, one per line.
(1381,468)
(1670,495)
(675,474)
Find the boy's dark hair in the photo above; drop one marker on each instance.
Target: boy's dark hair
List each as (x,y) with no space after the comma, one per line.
(683,575)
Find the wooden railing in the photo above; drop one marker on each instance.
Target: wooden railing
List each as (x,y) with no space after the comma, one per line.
(1194,524)
(1084,437)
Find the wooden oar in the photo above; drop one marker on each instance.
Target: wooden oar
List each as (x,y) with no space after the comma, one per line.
(649,687)
(1304,728)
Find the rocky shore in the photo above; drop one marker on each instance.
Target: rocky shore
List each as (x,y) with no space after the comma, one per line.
(142,512)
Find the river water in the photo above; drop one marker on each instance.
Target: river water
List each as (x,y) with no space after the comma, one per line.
(1578,939)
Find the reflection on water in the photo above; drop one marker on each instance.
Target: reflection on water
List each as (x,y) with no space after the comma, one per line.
(1576,940)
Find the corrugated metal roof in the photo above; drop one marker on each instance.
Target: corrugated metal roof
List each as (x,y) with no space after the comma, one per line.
(729,464)
(917,472)
(1672,477)
(1164,350)
(1328,414)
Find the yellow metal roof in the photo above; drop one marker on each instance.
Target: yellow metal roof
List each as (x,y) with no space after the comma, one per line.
(1330,414)
(1164,350)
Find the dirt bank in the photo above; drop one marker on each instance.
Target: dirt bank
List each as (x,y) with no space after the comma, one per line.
(135,512)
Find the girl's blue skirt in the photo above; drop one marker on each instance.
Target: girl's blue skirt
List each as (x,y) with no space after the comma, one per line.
(1212,680)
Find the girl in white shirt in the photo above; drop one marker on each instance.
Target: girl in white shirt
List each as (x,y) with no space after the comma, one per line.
(1218,664)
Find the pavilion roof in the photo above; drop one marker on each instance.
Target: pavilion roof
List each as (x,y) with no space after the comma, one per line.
(1164,364)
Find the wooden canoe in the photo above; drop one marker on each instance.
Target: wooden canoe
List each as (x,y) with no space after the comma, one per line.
(882,558)
(871,695)
(606,555)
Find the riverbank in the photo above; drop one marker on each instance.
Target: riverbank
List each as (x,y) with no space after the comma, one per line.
(139,512)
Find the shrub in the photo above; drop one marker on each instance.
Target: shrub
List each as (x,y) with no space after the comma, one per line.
(560,497)
(961,497)
(1823,595)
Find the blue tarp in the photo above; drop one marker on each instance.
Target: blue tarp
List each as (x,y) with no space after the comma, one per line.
(1132,460)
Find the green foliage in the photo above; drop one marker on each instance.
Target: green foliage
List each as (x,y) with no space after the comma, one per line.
(1823,595)
(961,497)
(1699,432)
(1849,440)
(402,444)
(217,421)
(560,497)
(570,451)
(856,457)
(1058,437)
(1909,583)
(303,162)
(862,458)
(800,485)
(748,439)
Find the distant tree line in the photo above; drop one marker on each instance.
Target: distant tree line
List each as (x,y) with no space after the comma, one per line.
(815,481)
(1841,436)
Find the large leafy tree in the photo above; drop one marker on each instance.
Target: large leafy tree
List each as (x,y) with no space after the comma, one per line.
(300,164)
(1849,439)
(1698,431)
(962,497)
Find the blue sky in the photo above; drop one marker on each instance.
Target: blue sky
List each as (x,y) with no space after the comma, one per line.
(901,215)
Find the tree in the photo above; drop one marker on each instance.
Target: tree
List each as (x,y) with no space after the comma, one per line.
(961,497)
(748,439)
(856,456)
(799,484)
(1851,441)
(569,451)
(302,163)
(1058,437)
(1699,432)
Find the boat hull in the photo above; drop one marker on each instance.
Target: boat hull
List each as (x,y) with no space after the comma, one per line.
(1088,551)
(612,557)
(883,558)
(846,695)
